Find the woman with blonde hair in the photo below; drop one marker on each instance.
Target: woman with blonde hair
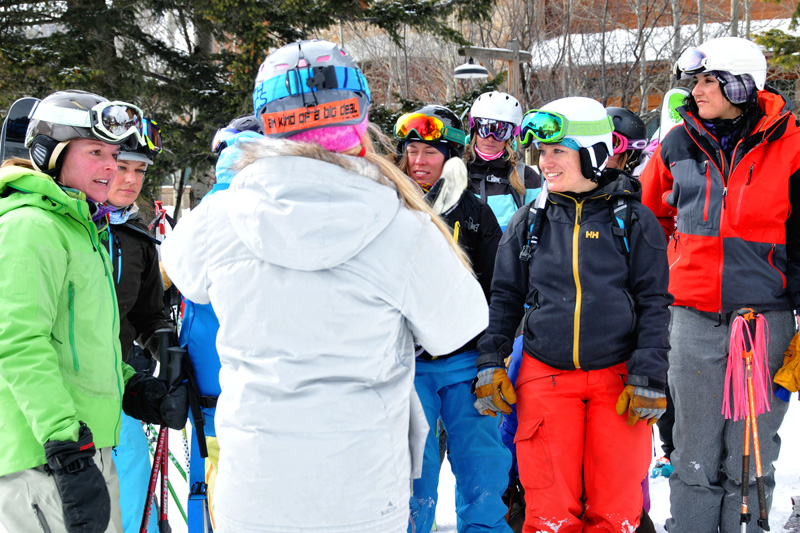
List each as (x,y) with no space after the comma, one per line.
(497,175)
(323,264)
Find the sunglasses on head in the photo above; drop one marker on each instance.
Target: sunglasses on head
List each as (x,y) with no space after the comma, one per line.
(623,144)
(426,128)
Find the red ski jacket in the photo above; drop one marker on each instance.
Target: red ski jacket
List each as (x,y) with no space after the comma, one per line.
(734,237)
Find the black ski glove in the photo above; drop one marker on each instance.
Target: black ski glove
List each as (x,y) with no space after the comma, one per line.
(175,406)
(143,397)
(84,496)
(147,399)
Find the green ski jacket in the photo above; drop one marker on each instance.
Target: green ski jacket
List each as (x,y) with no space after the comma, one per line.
(59,328)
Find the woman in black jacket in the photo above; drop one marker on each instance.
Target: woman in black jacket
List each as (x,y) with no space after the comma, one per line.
(431,142)
(589,262)
(140,296)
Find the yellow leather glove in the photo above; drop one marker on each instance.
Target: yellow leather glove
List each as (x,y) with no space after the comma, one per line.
(641,403)
(789,374)
(494,391)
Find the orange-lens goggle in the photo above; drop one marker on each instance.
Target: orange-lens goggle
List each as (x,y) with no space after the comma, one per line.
(426,128)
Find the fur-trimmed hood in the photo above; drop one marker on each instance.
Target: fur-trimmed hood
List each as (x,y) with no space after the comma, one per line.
(299,206)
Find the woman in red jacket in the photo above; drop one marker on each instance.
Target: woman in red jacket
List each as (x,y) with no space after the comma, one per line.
(723,186)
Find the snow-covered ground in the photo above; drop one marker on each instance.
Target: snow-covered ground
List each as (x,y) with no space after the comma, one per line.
(787,470)
(787,474)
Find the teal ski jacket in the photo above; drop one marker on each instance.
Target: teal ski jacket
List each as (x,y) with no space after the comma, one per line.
(59,328)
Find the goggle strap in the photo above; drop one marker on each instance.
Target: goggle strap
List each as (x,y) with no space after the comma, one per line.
(61,115)
(299,81)
(589,128)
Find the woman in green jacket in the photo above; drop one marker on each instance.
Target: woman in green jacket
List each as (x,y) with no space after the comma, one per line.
(62,384)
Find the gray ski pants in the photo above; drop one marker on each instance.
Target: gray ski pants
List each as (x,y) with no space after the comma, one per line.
(29,500)
(705,489)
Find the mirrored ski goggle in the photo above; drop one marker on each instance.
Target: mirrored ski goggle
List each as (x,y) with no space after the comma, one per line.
(111,122)
(426,128)
(690,62)
(550,127)
(622,144)
(499,129)
(152,135)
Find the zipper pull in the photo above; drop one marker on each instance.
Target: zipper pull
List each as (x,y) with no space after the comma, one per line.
(724,196)
(675,236)
(750,176)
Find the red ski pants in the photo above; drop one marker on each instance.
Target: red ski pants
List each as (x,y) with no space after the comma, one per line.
(581,465)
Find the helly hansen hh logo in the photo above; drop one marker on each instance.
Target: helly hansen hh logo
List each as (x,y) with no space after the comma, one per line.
(592,234)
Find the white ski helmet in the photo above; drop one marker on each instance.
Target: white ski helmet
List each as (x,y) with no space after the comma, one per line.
(498,106)
(594,148)
(735,55)
(312,91)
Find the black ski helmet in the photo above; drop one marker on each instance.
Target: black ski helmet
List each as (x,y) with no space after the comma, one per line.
(47,138)
(629,125)
(448,118)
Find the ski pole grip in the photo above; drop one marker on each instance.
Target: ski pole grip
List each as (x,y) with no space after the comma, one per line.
(163,353)
(175,364)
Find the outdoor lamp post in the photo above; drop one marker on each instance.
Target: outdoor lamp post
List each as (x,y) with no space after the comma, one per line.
(512,54)
(470,71)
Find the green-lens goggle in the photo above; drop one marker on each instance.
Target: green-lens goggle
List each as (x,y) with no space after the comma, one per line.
(550,127)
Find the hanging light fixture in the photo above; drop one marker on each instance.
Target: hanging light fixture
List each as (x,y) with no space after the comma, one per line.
(470,71)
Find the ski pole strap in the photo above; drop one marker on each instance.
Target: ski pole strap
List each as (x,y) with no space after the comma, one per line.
(195,403)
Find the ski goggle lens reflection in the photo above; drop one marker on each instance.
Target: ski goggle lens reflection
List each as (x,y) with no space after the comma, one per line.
(222,138)
(691,61)
(550,127)
(499,129)
(622,144)
(117,120)
(427,128)
(152,136)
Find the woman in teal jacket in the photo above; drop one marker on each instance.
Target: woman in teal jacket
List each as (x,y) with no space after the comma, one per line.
(62,382)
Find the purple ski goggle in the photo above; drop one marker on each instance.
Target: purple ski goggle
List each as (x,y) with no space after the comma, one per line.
(623,144)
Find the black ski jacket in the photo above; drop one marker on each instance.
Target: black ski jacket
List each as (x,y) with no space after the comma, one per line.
(478,234)
(591,305)
(140,293)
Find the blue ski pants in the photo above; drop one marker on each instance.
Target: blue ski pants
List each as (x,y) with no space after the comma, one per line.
(132,460)
(478,459)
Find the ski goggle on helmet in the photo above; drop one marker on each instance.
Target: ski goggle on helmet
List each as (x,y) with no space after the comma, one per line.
(734,55)
(499,129)
(427,128)
(623,144)
(111,122)
(550,127)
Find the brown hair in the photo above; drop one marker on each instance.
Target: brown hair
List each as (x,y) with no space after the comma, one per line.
(517,181)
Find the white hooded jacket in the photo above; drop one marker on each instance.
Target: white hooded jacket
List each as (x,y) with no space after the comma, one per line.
(321,279)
